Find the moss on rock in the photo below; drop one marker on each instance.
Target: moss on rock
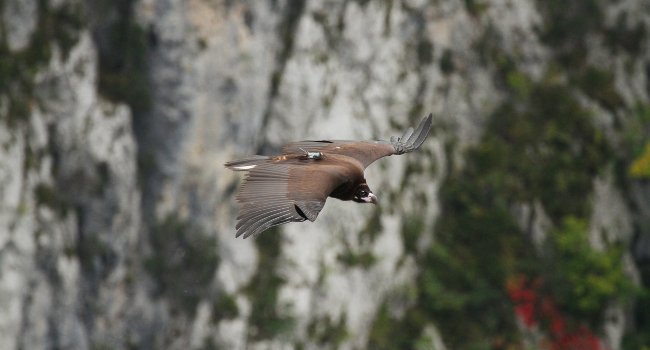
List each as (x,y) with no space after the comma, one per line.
(183,262)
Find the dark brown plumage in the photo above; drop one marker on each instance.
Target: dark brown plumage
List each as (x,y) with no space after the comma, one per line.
(294,185)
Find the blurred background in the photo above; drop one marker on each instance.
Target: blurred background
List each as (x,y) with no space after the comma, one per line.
(522,223)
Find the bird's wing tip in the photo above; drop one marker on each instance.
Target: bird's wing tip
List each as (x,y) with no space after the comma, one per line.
(412,140)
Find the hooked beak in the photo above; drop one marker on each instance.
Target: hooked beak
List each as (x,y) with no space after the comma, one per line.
(372,198)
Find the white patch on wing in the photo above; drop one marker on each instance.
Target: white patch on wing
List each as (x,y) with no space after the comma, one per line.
(245,167)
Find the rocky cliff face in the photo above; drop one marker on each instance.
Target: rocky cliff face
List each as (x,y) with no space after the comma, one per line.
(117,217)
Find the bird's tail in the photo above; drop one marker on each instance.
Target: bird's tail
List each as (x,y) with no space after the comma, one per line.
(246,163)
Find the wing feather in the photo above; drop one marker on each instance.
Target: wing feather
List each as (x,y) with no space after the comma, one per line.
(366,152)
(310,208)
(268,221)
(407,134)
(275,193)
(265,220)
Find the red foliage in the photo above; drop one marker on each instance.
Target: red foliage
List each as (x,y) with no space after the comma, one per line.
(524,298)
(533,309)
(580,339)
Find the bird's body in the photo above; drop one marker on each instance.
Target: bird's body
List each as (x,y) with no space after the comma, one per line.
(294,185)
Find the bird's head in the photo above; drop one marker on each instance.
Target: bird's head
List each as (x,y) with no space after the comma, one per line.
(362,194)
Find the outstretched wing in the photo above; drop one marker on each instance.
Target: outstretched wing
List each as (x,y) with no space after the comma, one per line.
(366,152)
(277,193)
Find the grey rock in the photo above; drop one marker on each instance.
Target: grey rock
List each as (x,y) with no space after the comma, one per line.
(84,181)
(20,19)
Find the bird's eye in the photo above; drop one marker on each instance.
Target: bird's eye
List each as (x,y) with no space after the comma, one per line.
(363,193)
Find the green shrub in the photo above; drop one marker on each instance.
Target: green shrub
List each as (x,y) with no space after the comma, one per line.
(59,26)
(388,332)
(639,336)
(349,258)
(582,280)
(598,84)
(640,168)
(224,308)
(49,196)
(539,145)
(183,262)
(325,331)
(123,56)
(267,320)
(567,25)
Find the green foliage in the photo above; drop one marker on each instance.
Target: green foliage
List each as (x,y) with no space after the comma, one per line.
(32,158)
(325,331)
(123,55)
(487,48)
(582,280)
(599,85)
(362,257)
(372,229)
(632,156)
(623,37)
(349,258)
(59,26)
(519,84)
(286,30)
(62,24)
(49,196)
(183,262)
(639,337)
(425,51)
(95,254)
(476,7)
(388,332)
(46,195)
(362,3)
(447,62)
(636,131)
(412,228)
(224,308)
(267,320)
(478,246)
(101,345)
(566,26)
(640,168)
(544,147)
(539,145)
(412,167)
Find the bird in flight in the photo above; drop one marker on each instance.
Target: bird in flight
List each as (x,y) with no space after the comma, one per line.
(293,186)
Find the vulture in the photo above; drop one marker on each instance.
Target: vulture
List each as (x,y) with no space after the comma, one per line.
(293,186)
